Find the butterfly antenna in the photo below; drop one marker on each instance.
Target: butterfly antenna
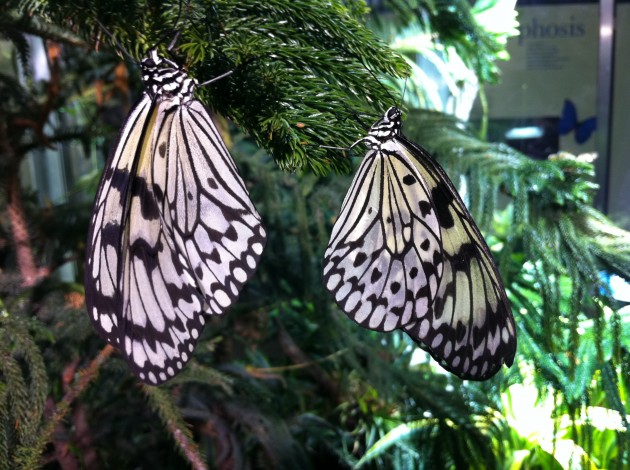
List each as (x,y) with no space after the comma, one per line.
(358,118)
(356,115)
(346,149)
(229,72)
(219,77)
(174,41)
(402,97)
(117,43)
(387,90)
(333,148)
(178,32)
(179,10)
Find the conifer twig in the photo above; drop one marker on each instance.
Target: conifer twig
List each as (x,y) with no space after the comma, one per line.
(170,415)
(85,376)
(189,448)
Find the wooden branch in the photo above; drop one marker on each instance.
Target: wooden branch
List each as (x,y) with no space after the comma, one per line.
(61,447)
(297,356)
(19,230)
(84,438)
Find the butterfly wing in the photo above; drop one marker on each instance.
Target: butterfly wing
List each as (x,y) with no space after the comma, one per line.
(188,241)
(105,237)
(569,122)
(216,224)
(568,118)
(377,275)
(585,129)
(405,253)
(161,310)
(469,329)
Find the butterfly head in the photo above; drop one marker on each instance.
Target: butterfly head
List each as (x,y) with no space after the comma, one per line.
(164,79)
(388,126)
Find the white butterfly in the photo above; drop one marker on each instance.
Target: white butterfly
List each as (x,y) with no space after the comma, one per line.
(173,235)
(405,253)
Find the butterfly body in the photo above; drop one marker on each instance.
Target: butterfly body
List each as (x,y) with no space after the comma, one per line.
(174,235)
(406,254)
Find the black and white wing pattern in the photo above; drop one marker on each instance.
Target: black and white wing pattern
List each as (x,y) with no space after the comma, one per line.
(405,253)
(173,235)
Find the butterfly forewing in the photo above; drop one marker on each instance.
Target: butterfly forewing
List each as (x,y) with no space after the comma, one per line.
(217,225)
(187,236)
(377,275)
(464,318)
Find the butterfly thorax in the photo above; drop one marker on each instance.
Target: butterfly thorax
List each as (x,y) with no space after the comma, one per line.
(385,129)
(165,80)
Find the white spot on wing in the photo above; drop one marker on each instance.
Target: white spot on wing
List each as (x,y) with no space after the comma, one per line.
(222,298)
(240,275)
(138,353)
(106,323)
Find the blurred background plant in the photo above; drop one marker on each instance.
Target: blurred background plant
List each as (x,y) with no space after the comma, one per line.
(284,380)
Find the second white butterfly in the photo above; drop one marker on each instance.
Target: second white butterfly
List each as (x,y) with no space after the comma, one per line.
(406,254)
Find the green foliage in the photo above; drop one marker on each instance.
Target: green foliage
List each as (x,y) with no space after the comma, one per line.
(299,68)
(554,250)
(285,380)
(172,419)
(23,392)
(456,27)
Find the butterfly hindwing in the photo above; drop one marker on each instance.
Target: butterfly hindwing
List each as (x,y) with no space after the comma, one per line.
(460,314)
(182,236)
(103,275)
(469,329)
(585,129)
(568,119)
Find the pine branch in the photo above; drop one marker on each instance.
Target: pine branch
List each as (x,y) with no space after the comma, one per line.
(198,373)
(305,74)
(451,24)
(303,70)
(298,357)
(544,194)
(23,377)
(566,242)
(14,26)
(82,381)
(170,415)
